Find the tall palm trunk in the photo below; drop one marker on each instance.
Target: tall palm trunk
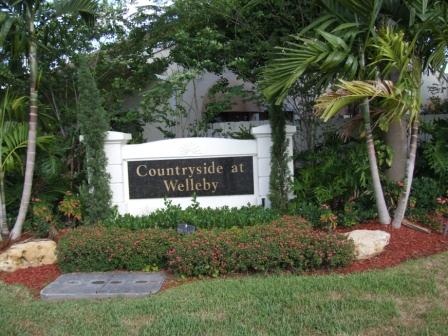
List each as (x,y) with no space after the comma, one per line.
(383,212)
(32,132)
(396,138)
(4,232)
(404,196)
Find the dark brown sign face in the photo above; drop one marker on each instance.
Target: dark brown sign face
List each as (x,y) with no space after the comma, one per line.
(186,177)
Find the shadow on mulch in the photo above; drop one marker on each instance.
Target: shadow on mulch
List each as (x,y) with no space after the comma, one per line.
(405,244)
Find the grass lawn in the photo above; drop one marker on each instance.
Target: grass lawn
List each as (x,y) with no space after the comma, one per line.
(411,299)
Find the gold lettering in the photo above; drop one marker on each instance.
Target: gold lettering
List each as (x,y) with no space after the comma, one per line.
(189,184)
(241,167)
(170,185)
(170,171)
(206,185)
(219,169)
(191,169)
(198,186)
(181,187)
(152,172)
(215,186)
(138,170)
(184,169)
(211,169)
(177,171)
(234,169)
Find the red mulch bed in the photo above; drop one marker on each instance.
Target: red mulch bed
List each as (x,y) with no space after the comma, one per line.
(35,278)
(404,244)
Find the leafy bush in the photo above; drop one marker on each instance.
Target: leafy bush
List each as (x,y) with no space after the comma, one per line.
(70,208)
(258,249)
(425,191)
(422,216)
(261,248)
(88,249)
(435,151)
(332,184)
(41,220)
(204,218)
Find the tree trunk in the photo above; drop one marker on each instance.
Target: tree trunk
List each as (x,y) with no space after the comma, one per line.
(383,212)
(4,232)
(404,197)
(396,139)
(32,132)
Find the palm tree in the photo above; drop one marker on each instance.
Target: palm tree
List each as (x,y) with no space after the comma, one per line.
(332,47)
(19,16)
(13,139)
(406,55)
(426,51)
(404,52)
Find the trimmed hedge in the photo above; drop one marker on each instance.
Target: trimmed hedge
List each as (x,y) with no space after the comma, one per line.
(90,249)
(258,249)
(261,248)
(203,218)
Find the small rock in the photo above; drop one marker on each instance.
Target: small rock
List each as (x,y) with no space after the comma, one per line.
(368,243)
(28,254)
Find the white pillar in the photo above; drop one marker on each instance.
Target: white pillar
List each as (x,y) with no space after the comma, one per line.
(113,145)
(263,136)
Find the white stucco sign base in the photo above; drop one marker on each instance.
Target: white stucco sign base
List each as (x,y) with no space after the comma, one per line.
(221,172)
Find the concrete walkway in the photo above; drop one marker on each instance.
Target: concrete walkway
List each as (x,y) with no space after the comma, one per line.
(103,285)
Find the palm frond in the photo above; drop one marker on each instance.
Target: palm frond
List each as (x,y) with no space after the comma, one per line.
(353,10)
(394,54)
(86,8)
(14,138)
(328,53)
(392,99)
(6,22)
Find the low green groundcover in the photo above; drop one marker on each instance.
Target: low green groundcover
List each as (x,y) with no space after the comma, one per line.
(204,218)
(260,248)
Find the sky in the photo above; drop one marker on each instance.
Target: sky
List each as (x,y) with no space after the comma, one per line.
(137,3)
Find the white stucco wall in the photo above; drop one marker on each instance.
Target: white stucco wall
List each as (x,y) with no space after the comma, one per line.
(429,80)
(118,154)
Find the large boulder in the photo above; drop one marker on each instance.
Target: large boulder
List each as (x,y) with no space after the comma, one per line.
(29,253)
(368,243)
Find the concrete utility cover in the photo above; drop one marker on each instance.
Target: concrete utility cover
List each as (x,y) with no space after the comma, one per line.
(103,285)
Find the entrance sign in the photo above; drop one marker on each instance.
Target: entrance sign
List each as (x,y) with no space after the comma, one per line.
(219,172)
(188,177)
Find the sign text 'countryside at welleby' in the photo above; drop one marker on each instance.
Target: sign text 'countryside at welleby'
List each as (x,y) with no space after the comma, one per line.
(186,177)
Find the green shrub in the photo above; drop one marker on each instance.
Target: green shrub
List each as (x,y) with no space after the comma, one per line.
(334,180)
(425,191)
(261,248)
(323,217)
(88,249)
(435,151)
(307,210)
(204,218)
(93,123)
(41,219)
(258,249)
(422,216)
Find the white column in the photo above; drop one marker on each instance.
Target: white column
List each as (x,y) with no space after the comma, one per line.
(113,145)
(263,136)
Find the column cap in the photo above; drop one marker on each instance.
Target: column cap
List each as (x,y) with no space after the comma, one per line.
(112,136)
(265,130)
